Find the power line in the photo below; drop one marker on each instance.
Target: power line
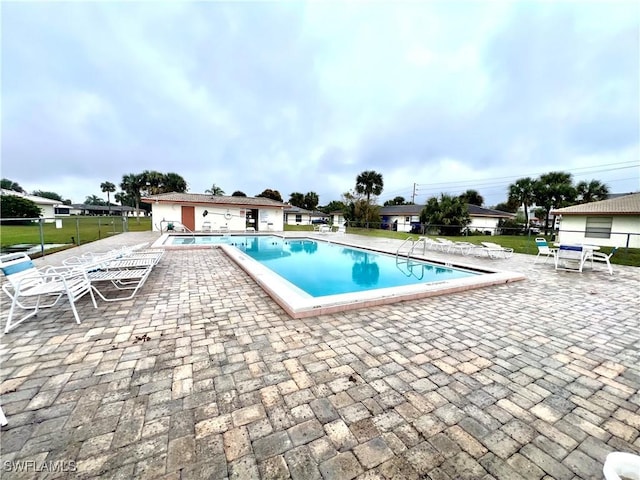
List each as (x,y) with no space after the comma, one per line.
(493,179)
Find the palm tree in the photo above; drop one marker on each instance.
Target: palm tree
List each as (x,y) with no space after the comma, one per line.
(592,191)
(450,214)
(522,192)
(215,190)
(174,183)
(108,187)
(131,185)
(554,190)
(369,182)
(152,182)
(311,200)
(472,197)
(296,199)
(93,200)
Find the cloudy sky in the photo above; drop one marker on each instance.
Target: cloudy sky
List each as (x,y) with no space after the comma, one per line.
(302,97)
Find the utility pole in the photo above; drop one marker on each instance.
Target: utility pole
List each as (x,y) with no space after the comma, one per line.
(413,195)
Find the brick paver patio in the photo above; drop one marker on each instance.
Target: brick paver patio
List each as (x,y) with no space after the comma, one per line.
(202,375)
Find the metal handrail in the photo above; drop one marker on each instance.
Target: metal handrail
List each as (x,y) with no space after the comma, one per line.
(175,222)
(409,239)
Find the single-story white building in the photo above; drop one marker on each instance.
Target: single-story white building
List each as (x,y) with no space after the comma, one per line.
(46,205)
(84,209)
(403,217)
(205,212)
(400,217)
(614,222)
(486,219)
(299,216)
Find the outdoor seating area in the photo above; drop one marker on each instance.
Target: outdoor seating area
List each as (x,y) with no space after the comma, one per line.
(202,375)
(31,289)
(574,257)
(120,269)
(444,245)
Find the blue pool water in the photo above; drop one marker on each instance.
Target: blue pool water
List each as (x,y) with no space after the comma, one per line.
(323,268)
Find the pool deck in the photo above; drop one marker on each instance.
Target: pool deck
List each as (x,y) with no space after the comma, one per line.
(203,375)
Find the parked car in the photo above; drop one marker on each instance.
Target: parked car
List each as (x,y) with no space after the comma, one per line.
(319,221)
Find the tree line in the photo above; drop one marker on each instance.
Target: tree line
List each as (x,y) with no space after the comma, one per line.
(549,191)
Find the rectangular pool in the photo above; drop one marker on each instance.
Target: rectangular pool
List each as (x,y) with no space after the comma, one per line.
(309,277)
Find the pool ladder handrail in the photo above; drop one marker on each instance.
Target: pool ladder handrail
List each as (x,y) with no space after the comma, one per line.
(414,244)
(408,239)
(176,222)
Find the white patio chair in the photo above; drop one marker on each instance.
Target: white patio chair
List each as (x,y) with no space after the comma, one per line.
(620,465)
(595,256)
(544,249)
(27,286)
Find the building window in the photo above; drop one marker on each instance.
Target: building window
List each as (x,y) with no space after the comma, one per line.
(406,219)
(298,218)
(598,227)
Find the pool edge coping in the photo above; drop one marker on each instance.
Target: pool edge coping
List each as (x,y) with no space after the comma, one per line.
(297,304)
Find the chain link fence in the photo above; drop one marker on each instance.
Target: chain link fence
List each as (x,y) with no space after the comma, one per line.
(39,236)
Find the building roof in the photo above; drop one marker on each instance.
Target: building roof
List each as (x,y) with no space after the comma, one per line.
(84,206)
(208,199)
(474,211)
(33,198)
(624,205)
(392,210)
(292,209)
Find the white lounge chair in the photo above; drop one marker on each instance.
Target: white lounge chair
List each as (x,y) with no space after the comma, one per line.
(28,286)
(443,244)
(493,250)
(544,249)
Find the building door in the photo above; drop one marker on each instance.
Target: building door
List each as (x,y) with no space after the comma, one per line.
(189,217)
(252,215)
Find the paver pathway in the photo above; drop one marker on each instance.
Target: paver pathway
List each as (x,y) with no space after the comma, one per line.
(202,375)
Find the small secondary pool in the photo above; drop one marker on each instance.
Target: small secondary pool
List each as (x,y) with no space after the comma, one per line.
(308,277)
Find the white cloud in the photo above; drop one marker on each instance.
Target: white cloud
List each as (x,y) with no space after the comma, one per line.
(304,96)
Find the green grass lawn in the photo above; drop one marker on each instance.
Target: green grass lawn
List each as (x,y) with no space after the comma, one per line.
(519,243)
(75,229)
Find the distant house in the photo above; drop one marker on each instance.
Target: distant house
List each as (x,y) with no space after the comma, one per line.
(400,217)
(198,212)
(299,216)
(403,217)
(614,222)
(486,219)
(46,205)
(84,209)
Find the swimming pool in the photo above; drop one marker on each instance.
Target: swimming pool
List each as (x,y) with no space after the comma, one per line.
(309,277)
(322,268)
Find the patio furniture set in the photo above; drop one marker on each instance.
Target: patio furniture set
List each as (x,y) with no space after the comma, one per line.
(573,257)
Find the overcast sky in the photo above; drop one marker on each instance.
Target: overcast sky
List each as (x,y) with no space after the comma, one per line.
(302,97)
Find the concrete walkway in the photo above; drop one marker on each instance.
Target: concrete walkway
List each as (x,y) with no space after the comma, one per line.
(202,375)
